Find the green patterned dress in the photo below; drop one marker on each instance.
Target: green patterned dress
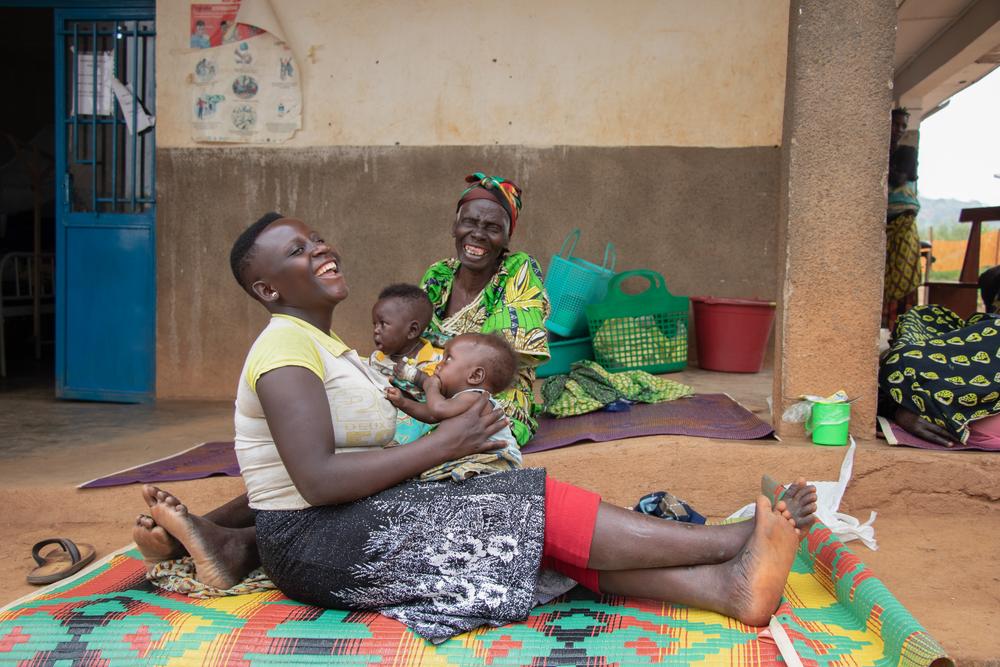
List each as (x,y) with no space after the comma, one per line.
(943,368)
(513,305)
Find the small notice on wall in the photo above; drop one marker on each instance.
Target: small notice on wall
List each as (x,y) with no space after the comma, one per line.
(93,74)
(243,76)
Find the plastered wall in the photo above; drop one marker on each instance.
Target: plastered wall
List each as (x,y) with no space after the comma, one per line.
(587,72)
(389,211)
(654,125)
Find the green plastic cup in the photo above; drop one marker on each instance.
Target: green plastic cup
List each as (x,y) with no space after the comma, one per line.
(829,423)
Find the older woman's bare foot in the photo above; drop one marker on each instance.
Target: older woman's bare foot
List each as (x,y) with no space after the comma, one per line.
(759,571)
(222,556)
(800,501)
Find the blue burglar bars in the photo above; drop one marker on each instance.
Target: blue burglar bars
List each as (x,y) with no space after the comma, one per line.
(106,207)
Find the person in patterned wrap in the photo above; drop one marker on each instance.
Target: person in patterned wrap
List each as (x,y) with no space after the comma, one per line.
(940,378)
(487,289)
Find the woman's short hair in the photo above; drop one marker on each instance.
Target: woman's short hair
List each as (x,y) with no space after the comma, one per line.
(243,248)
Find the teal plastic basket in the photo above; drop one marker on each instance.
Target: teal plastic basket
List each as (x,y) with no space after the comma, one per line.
(647,331)
(572,284)
(564,352)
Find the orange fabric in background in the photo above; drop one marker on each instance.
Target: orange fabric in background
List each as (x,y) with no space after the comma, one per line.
(948,255)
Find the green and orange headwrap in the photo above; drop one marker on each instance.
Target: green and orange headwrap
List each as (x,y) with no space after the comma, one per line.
(496,189)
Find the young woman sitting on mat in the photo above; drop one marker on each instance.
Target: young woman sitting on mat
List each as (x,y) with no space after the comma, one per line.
(339,523)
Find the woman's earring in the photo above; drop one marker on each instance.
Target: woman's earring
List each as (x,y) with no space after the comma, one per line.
(277,296)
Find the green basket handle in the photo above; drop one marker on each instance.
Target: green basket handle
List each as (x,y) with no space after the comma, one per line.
(654,278)
(610,250)
(575,235)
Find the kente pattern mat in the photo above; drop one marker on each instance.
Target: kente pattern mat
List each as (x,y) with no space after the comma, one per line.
(204,460)
(835,612)
(701,415)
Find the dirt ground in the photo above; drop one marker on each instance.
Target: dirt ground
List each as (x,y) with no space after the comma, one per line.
(938,524)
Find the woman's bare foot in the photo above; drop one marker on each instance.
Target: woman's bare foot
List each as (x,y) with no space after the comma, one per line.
(760,570)
(154,543)
(800,501)
(222,556)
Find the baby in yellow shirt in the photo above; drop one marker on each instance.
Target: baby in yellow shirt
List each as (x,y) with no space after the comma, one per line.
(399,319)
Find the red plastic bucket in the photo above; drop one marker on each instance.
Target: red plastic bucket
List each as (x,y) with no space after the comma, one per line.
(732,334)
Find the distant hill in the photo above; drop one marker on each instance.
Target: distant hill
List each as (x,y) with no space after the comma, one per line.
(942,215)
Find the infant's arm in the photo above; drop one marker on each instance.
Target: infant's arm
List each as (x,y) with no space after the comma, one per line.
(440,407)
(415,409)
(405,371)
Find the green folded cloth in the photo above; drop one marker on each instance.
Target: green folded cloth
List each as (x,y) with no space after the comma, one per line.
(589,387)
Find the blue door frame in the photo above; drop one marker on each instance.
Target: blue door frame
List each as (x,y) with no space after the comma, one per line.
(106,209)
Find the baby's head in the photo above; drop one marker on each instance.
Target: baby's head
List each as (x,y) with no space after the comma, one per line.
(399,317)
(476,361)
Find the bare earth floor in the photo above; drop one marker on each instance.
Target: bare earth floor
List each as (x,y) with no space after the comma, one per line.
(938,525)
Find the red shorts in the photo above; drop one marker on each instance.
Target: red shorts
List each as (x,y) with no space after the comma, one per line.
(570,517)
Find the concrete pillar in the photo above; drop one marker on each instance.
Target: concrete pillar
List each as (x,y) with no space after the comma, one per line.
(831,226)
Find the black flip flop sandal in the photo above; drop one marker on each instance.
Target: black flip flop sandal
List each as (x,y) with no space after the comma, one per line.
(58,564)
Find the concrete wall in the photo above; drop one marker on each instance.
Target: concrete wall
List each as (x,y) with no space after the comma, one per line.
(651,124)
(389,212)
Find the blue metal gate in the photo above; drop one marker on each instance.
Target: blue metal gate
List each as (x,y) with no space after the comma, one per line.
(105,235)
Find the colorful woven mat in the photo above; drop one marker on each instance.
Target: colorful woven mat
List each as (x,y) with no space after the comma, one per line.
(835,612)
(204,460)
(701,415)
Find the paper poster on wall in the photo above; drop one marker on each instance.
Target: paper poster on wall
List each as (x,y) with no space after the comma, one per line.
(243,76)
(93,74)
(214,24)
(123,93)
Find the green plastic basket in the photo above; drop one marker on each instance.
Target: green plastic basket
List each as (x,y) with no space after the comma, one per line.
(564,352)
(572,284)
(646,331)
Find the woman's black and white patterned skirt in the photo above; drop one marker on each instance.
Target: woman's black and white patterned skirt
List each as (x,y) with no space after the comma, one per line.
(441,557)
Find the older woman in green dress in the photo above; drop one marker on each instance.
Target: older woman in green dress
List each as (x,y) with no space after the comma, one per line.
(487,289)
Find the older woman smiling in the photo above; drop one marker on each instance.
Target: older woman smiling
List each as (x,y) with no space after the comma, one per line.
(486,289)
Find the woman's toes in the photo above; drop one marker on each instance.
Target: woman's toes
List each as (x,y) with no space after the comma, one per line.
(149,494)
